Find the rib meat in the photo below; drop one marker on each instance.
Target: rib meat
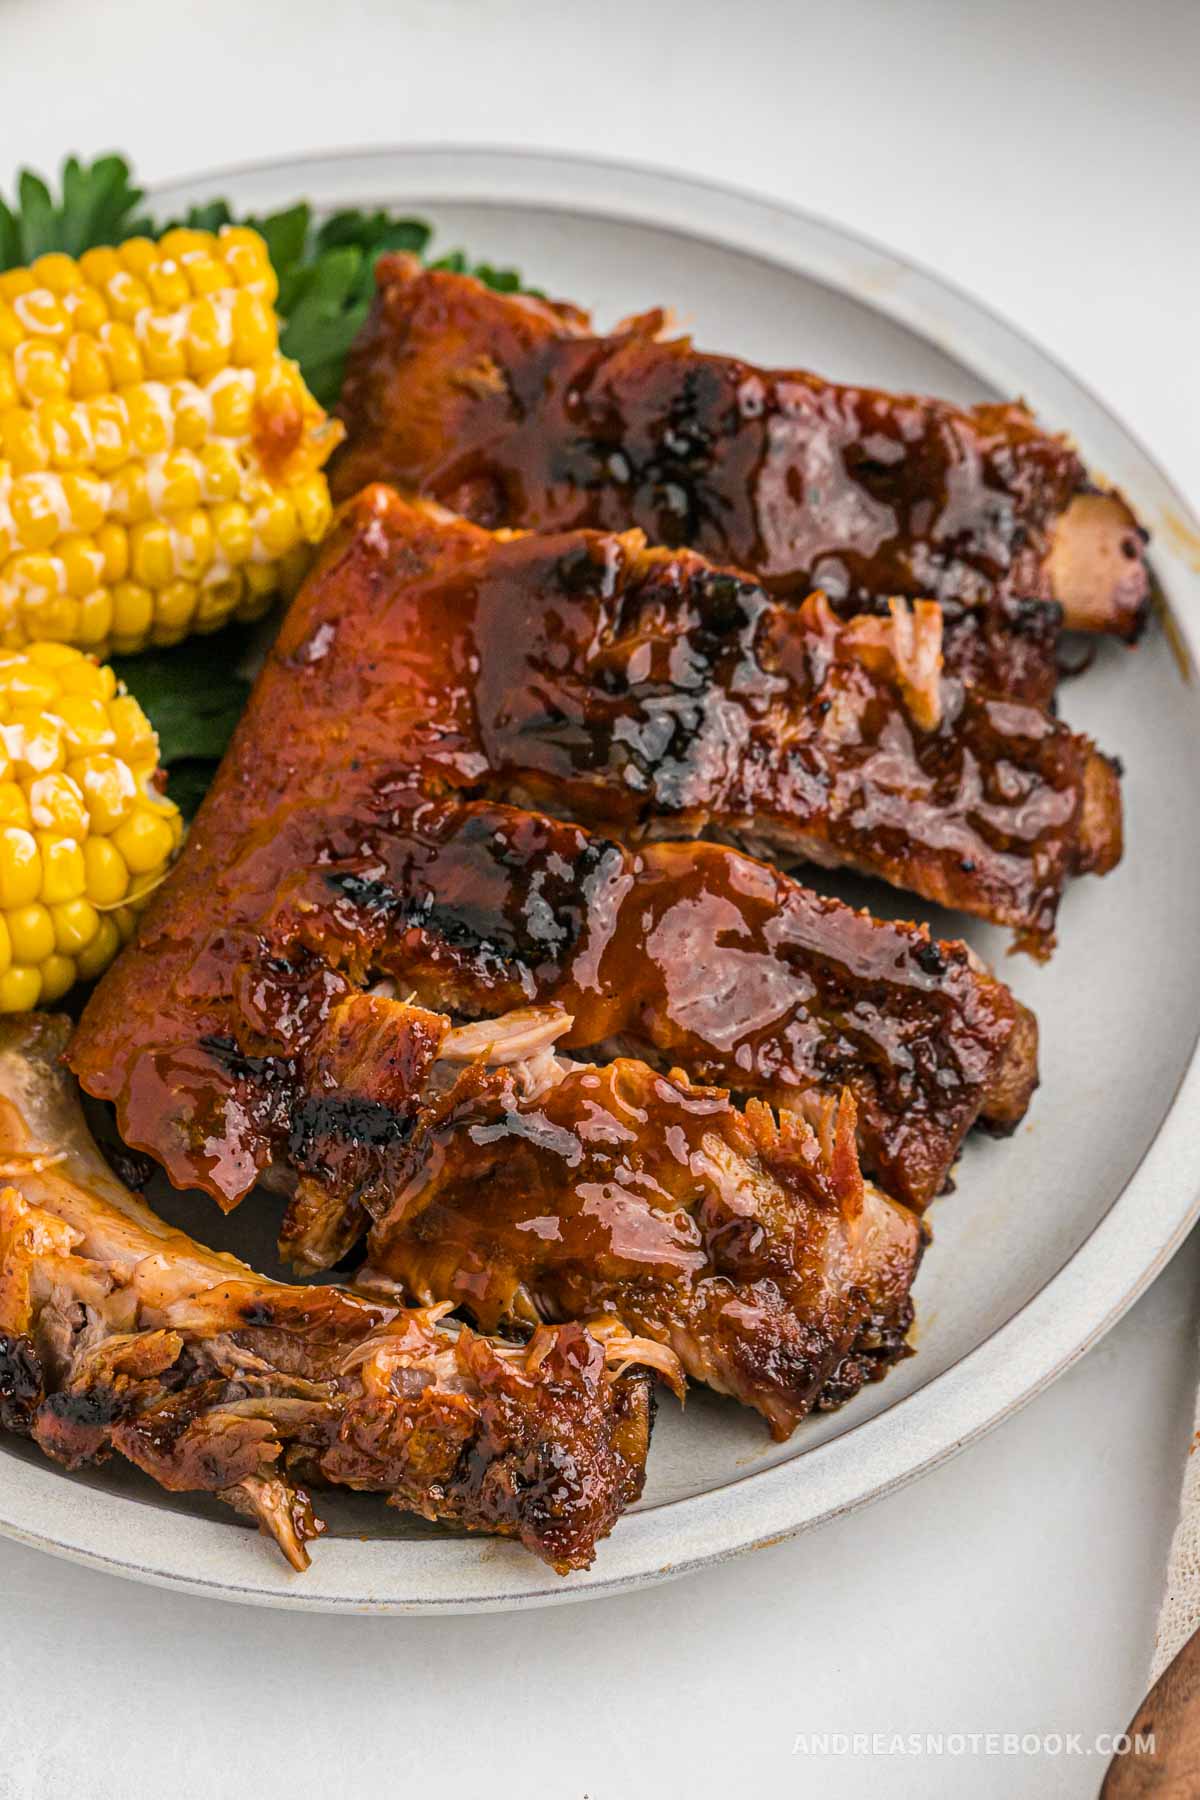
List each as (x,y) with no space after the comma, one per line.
(337,845)
(120,1334)
(750,1246)
(514,411)
(644,691)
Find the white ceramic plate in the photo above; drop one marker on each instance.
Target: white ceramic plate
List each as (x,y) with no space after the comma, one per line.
(1051,1235)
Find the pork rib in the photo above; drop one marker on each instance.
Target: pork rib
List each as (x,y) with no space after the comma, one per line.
(646,692)
(334,847)
(516,412)
(748,1245)
(120,1334)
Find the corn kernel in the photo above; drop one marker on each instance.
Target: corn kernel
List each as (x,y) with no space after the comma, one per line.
(163,345)
(87,367)
(192,543)
(113,544)
(135,734)
(108,422)
(56,804)
(275,525)
(97,955)
(80,674)
(233,531)
(209,337)
(220,473)
(66,433)
(63,873)
(127,296)
(38,506)
(255,332)
(175,608)
(56,271)
(51,615)
(109,790)
(75,923)
(149,421)
(182,243)
(151,553)
(129,495)
(168,283)
(12,331)
(145,840)
(138,254)
(36,743)
(26,683)
(87,723)
(189,405)
(5,945)
(87,310)
(40,371)
(58,974)
(20,989)
(42,313)
(107,875)
(31,929)
(23,442)
(14,807)
(94,623)
(83,564)
(217,602)
(179,486)
(119,348)
(85,499)
(232,395)
(133,612)
(20,867)
(313,509)
(206,275)
(98,266)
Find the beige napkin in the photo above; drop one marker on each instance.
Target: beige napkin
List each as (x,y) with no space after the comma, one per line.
(1179,1615)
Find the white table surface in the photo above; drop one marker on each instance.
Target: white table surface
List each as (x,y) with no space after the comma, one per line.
(1044,156)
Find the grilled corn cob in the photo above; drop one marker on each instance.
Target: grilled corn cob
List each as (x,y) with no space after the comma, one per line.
(84,833)
(160,461)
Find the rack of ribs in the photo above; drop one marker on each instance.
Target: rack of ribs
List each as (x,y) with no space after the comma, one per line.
(120,1334)
(337,848)
(513,411)
(645,692)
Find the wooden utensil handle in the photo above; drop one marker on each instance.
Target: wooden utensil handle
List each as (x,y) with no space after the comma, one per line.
(1171,1714)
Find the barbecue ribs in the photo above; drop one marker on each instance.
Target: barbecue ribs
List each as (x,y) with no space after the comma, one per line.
(120,1334)
(337,846)
(645,692)
(514,412)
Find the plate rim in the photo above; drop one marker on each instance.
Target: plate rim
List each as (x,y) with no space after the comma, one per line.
(1142,1228)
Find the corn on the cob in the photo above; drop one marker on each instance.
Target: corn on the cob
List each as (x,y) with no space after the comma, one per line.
(160,461)
(84,833)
